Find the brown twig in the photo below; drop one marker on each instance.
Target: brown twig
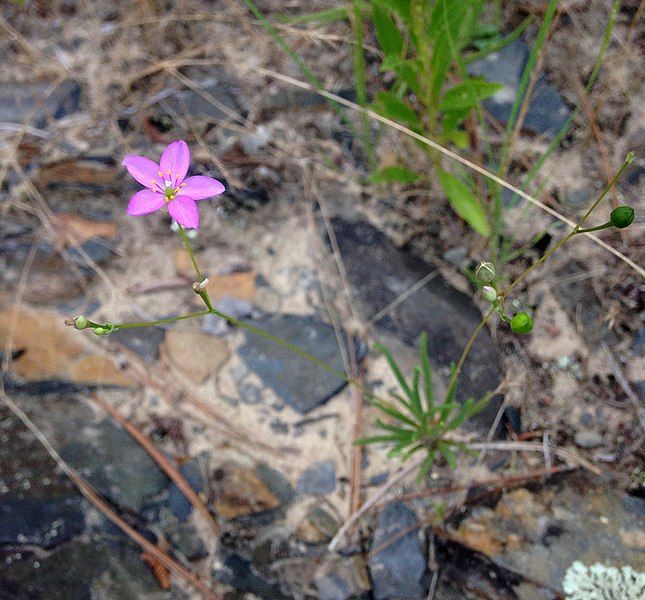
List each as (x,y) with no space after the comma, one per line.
(164,464)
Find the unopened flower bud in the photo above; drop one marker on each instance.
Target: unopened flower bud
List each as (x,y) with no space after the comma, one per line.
(485,272)
(80,322)
(622,216)
(490,293)
(521,323)
(101,330)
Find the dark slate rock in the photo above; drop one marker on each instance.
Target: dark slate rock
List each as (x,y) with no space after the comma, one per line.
(41,522)
(638,345)
(297,381)
(398,568)
(250,394)
(318,480)
(144,342)
(241,574)
(343,578)
(118,467)
(179,505)
(379,272)
(102,568)
(34,102)
(276,483)
(184,537)
(547,111)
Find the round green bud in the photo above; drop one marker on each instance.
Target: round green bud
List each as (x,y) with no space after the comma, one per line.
(80,322)
(521,323)
(101,330)
(490,293)
(622,216)
(485,272)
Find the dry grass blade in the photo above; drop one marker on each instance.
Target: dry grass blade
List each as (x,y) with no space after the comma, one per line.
(92,496)
(450,154)
(164,464)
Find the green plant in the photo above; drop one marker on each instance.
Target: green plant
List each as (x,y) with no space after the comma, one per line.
(418,422)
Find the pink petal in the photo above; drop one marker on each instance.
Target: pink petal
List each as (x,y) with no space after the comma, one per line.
(200,187)
(145,202)
(184,210)
(176,159)
(142,169)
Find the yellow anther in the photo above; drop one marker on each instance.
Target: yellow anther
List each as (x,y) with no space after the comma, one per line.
(159,173)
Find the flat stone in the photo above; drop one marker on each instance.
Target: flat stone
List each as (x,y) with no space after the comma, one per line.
(397,562)
(183,537)
(547,112)
(318,480)
(297,381)
(179,505)
(241,573)
(54,352)
(40,522)
(238,285)
(379,273)
(276,483)
(33,102)
(143,342)
(119,468)
(638,345)
(196,355)
(587,438)
(343,578)
(317,527)
(104,569)
(239,492)
(540,534)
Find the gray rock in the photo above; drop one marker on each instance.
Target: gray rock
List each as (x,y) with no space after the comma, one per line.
(547,111)
(318,480)
(578,197)
(37,102)
(397,562)
(250,394)
(456,256)
(297,381)
(102,569)
(241,573)
(179,505)
(638,345)
(587,438)
(143,342)
(276,483)
(379,273)
(183,537)
(118,467)
(343,578)
(41,522)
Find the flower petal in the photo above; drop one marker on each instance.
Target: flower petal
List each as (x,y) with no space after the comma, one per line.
(184,210)
(145,202)
(142,169)
(201,187)
(176,159)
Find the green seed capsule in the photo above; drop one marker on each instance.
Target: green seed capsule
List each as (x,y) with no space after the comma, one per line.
(622,216)
(489,293)
(485,272)
(80,322)
(101,330)
(521,323)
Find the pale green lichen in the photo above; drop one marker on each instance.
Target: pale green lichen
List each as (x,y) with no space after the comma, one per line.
(601,582)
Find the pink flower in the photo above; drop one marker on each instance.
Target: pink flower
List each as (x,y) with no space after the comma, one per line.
(166,185)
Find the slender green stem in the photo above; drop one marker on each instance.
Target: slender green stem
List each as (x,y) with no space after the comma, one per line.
(596,228)
(462,359)
(201,292)
(575,230)
(189,249)
(117,326)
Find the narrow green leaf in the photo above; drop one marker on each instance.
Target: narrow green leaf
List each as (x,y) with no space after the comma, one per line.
(400,432)
(387,33)
(448,454)
(322,16)
(467,94)
(401,8)
(416,398)
(394,174)
(388,105)
(399,416)
(426,465)
(464,203)
(395,369)
(427,370)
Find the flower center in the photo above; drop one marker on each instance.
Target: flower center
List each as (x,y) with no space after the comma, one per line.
(168,189)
